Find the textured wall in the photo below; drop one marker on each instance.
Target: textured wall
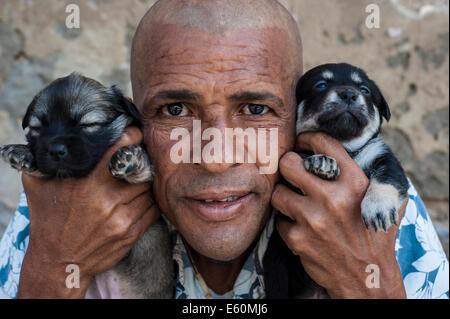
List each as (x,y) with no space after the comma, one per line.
(408,57)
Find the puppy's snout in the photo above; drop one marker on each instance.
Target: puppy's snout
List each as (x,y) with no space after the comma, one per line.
(58,150)
(348,96)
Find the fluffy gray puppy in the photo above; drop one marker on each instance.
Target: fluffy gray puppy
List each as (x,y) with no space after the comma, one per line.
(69,126)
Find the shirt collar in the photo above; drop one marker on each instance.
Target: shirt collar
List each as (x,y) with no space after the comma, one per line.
(249,283)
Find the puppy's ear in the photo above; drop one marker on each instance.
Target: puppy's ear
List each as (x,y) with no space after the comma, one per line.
(299,92)
(127,106)
(131,110)
(380,102)
(26,118)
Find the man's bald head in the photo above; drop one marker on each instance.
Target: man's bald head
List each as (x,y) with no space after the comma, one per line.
(227,64)
(217,17)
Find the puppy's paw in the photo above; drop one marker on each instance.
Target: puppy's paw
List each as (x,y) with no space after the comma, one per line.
(131,163)
(19,157)
(379,206)
(124,161)
(378,216)
(323,166)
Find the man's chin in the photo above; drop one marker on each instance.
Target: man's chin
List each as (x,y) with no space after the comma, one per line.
(225,249)
(223,242)
(220,239)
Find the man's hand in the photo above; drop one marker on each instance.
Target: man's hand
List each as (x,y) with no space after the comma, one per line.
(91,222)
(328,232)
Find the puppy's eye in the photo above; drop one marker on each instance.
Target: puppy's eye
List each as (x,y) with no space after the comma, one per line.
(33,131)
(91,128)
(364,90)
(321,85)
(254,109)
(175,109)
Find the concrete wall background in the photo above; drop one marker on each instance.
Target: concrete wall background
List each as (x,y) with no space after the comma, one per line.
(408,57)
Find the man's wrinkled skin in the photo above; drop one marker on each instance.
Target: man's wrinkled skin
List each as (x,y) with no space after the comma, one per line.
(92,222)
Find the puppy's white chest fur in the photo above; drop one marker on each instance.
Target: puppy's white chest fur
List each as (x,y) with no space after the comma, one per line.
(374,148)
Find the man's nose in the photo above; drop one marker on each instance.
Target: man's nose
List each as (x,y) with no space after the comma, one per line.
(218,168)
(218,150)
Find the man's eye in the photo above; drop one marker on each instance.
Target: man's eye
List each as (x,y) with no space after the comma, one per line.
(175,109)
(255,109)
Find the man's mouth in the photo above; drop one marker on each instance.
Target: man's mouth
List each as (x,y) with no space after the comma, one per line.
(228,199)
(219,206)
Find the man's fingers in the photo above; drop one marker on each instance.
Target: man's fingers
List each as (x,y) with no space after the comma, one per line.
(127,193)
(141,203)
(321,143)
(292,235)
(126,230)
(131,135)
(150,216)
(287,202)
(402,209)
(135,232)
(30,182)
(351,175)
(127,214)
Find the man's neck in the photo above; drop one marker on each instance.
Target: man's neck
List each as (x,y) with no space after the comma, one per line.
(219,276)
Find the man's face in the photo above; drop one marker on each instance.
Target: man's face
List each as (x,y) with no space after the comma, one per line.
(236,80)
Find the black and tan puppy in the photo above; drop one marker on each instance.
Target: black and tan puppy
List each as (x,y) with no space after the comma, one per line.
(69,126)
(340,100)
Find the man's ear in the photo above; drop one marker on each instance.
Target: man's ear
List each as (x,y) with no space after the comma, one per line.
(127,106)
(381,103)
(26,118)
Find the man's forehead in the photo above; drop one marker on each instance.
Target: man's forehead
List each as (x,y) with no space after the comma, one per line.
(179,55)
(162,42)
(177,42)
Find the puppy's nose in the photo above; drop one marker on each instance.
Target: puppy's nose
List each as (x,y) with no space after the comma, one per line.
(57,151)
(348,96)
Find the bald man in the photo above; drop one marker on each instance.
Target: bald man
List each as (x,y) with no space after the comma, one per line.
(229,64)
